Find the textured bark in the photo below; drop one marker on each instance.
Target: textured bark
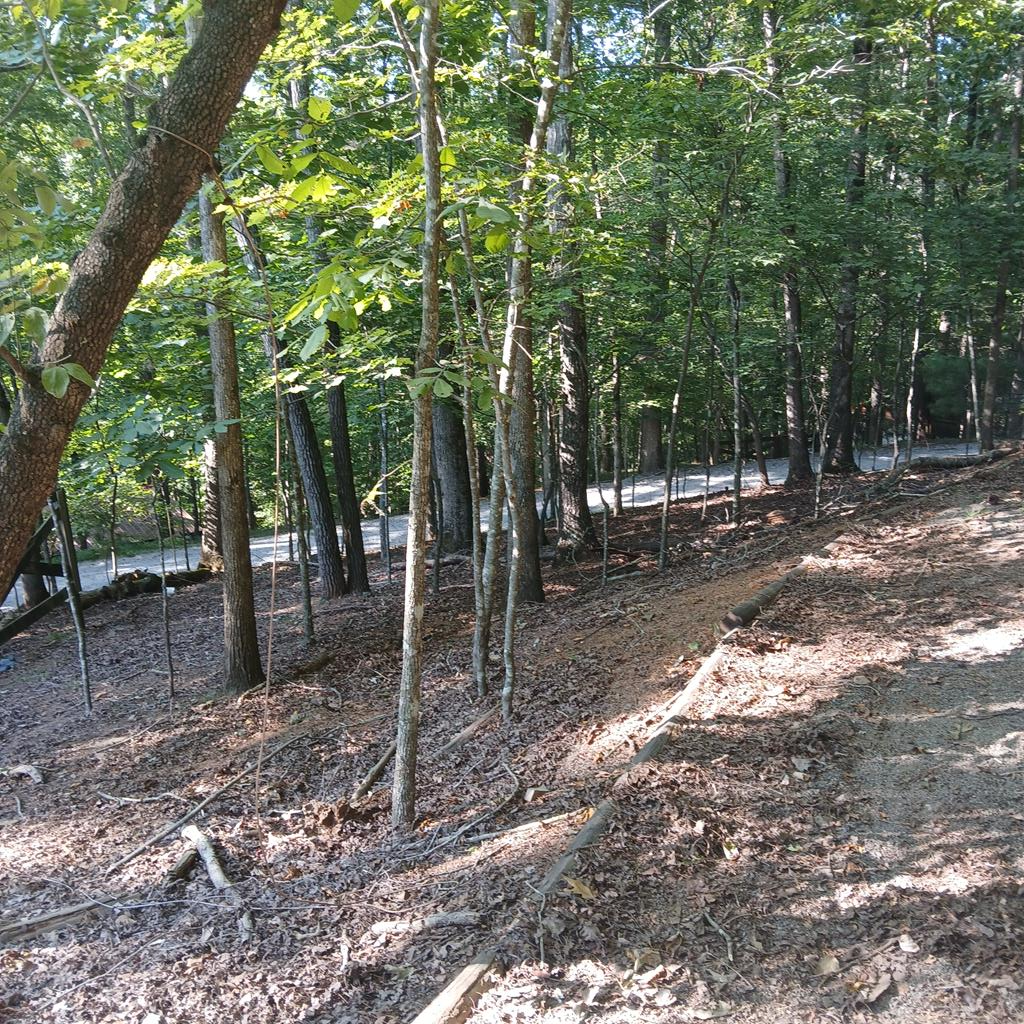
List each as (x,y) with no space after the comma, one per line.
(523,413)
(839,455)
(144,203)
(652,457)
(403,794)
(988,405)
(318,495)
(211,554)
(344,481)
(453,475)
(617,460)
(799,455)
(242,665)
(576,526)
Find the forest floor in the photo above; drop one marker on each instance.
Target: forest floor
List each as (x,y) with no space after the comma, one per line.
(833,834)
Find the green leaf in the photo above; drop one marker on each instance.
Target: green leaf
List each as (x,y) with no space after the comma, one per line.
(496,240)
(300,163)
(80,373)
(494,214)
(47,199)
(36,322)
(56,380)
(269,159)
(442,389)
(314,342)
(447,158)
(318,108)
(345,10)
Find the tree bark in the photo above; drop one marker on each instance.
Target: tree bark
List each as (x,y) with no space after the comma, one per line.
(576,526)
(839,453)
(799,456)
(652,457)
(403,794)
(523,413)
(449,438)
(242,664)
(145,201)
(988,404)
(344,481)
(211,554)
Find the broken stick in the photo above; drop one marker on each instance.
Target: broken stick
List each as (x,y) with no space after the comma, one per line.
(221,882)
(167,830)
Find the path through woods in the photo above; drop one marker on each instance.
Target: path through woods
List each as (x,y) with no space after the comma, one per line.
(839,812)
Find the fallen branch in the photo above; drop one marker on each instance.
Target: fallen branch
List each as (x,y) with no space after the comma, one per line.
(471,730)
(181,868)
(174,826)
(221,882)
(374,773)
(29,927)
(421,924)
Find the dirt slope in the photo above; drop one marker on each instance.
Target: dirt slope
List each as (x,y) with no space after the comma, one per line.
(836,836)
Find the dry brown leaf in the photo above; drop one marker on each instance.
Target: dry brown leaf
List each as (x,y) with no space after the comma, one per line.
(580,888)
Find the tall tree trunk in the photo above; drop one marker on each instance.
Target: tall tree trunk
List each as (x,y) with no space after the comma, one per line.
(145,201)
(839,454)
(403,796)
(577,526)
(799,455)
(523,412)
(242,666)
(995,341)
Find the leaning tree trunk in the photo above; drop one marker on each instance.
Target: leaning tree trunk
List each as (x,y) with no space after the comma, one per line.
(184,127)
(839,453)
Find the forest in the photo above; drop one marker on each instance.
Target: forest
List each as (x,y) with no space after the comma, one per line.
(511,511)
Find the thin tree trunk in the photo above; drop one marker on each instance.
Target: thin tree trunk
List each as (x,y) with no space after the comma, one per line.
(403,796)
(617,453)
(242,664)
(62,528)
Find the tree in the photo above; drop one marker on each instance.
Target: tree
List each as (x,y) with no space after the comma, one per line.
(183,130)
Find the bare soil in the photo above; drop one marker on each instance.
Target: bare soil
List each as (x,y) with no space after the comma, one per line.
(729,845)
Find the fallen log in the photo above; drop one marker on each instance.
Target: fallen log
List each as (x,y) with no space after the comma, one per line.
(30,927)
(220,880)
